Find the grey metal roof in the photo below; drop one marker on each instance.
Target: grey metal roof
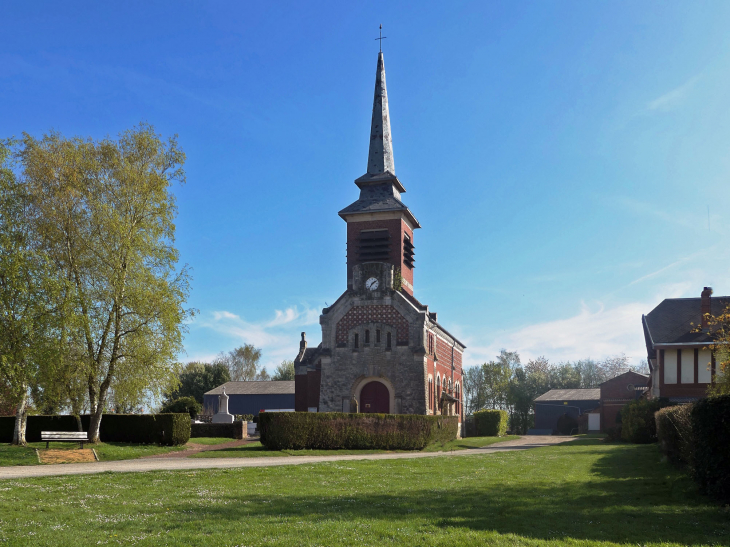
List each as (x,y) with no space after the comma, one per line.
(272,387)
(674,319)
(379,198)
(590,394)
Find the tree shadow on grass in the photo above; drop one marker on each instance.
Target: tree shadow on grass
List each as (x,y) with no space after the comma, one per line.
(633,498)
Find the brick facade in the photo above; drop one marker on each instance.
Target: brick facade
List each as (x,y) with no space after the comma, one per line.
(364,315)
(397,228)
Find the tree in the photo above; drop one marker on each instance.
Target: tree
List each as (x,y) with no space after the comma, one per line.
(475,397)
(198,378)
(183,404)
(284,371)
(719,326)
(105,216)
(27,299)
(243,364)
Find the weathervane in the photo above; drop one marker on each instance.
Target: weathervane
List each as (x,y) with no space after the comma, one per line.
(381,38)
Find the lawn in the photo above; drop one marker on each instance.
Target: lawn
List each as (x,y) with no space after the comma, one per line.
(256,449)
(17,455)
(586,492)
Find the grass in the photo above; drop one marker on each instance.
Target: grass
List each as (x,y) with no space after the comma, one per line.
(254,450)
(469,442)
(18,455)
(210,440)
(582,493)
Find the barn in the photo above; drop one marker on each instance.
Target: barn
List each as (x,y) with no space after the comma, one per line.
(564,406)
(252,397)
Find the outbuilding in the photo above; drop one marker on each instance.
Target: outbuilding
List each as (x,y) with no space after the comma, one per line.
(560,408)
(252,397)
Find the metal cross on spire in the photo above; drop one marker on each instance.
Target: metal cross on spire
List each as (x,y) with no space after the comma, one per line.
(381,38)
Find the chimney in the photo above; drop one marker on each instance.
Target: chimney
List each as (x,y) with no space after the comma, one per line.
(303,343)
(706,308)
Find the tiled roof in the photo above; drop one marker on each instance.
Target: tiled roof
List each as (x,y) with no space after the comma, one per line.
(674,319)
(280,387)
(590,394)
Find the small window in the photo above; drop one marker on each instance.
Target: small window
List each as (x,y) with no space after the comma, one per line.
(357,340)
(367,336)
(388,341)
(377,336)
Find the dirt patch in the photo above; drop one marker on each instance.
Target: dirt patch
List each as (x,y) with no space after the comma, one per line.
(66,456)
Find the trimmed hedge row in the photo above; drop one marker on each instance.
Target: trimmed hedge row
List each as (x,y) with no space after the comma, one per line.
(674,433)
(332,430)
(637,420)
(236,430)
(167,429)
(711,454)
(491,423)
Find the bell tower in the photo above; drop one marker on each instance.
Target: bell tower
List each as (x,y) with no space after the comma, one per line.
(379,225)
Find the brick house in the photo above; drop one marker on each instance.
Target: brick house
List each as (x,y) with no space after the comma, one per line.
(382,350)
(677,339)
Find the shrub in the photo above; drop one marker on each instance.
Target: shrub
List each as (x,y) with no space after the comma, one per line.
(711,456)
(613,434)
(243,417)
(169,429)
(674,433)
(490,423)
(637,420)
(233,431)
(183,404)
(332,430)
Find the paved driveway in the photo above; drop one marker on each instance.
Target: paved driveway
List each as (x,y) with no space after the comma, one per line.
(172,463)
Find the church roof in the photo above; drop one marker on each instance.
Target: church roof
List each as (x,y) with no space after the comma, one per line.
(380,189)
(380,156)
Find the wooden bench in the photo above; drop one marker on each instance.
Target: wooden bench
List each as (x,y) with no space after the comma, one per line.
(65,436)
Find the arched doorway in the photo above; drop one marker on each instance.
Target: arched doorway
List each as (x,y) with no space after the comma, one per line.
(374,397)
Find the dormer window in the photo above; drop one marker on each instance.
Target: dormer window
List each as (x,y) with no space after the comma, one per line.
(357,341)
(388,341)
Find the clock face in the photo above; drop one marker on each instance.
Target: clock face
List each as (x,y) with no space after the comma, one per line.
(372,284)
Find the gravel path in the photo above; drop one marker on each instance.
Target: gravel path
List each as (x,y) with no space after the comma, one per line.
(172,463)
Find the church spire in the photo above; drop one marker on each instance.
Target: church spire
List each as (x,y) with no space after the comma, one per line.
(380,156)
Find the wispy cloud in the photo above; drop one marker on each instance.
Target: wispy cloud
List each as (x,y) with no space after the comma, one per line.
(277,337)
(594,332)
(674,98)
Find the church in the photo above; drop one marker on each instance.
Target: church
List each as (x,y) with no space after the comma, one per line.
(382,350)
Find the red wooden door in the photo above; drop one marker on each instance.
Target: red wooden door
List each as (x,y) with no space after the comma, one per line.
(374,397)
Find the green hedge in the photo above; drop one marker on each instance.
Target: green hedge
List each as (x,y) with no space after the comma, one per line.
(236,430)
(637,420)
(711,456)
(674,433)
(332,430)
(491,423)
(168,429)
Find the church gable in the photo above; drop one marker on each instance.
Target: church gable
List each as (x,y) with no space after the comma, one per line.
(372,314)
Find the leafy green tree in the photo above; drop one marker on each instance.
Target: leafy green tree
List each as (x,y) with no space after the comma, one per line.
(183,404)
(284,371)
(28,305)
(244,364)
(198,378)
(105,217)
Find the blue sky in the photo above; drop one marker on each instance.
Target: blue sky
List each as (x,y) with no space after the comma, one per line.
(560,156)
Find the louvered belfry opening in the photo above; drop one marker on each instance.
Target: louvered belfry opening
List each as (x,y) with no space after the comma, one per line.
(374,246)
(408,253)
